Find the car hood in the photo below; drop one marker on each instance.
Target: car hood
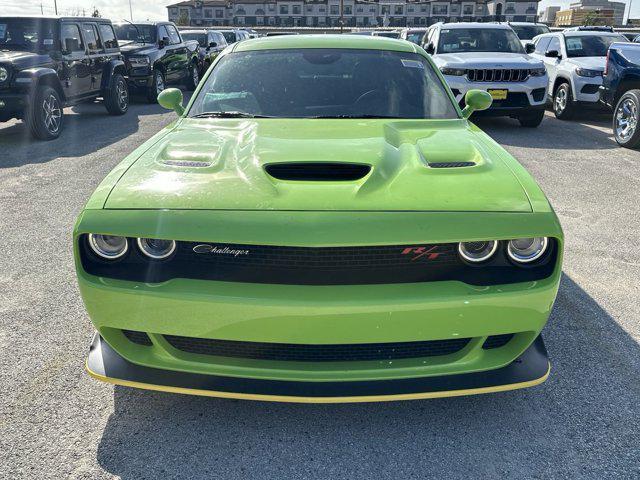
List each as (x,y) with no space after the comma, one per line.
(220,164)
(137,48)
(487,60)
(593,63)
(24,59)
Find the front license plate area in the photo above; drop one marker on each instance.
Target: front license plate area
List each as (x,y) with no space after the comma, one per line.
(498,94)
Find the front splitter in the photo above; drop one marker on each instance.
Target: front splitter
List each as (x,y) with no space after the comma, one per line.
(529,369)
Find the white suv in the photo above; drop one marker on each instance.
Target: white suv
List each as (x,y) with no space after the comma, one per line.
(575,60)
(489,56)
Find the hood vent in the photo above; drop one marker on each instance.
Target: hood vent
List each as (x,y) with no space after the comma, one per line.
(450,164)
(318,171)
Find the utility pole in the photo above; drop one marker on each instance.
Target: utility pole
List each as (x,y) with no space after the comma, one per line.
(341,16)
(55,4)
(41,10)
(130,11)
(629,14)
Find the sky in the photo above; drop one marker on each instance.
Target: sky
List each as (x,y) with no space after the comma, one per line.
(150,9)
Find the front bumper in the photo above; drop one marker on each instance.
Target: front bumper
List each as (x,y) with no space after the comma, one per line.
(13,105)
(586,89)
(529,369)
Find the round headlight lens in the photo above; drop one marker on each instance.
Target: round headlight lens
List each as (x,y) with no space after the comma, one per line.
(476,252)
(4,74)
(156,248)
(525,250)
(108,246)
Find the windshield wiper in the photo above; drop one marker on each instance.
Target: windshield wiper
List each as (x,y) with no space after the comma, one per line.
(353,116)
(228,115)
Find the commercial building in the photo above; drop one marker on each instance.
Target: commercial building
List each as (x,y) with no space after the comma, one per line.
(549,14)
(584,16)
(602,5)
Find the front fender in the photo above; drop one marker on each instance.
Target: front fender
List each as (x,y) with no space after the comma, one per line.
(30,78)
(113,66)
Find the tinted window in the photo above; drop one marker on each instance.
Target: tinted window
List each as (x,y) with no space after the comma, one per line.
(108,36)
(415,37)
(590,45)
(162,33)
(229,36)
(299,83)
(26,34)
(174,38)
(554,44)
(135,33)
(201,38)
(478,40)
(527,32)
(71,38)
(542,44)
(91,37)
(219,39)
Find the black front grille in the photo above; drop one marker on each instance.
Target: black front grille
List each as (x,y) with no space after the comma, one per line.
(513,100)
(355,265)
(317,353)
(141,338)
(497,341)
(497,75)
(318,171)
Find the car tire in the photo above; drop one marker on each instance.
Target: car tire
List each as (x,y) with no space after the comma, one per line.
(157,86)
(193,77)
(116,99)
(563,104)
(44,116)
(531,120)
(626,120)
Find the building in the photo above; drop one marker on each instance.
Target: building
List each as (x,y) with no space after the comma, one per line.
(326,13)
(617,7)
(549,14)
(584,16)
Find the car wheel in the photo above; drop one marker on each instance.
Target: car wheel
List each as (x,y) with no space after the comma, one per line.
(45,114)
(626,119)
(193,78)
(156,87)
(117,98)
(563,105)
(531,120)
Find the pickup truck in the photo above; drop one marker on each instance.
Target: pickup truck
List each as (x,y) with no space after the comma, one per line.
(620,90)
(156,56)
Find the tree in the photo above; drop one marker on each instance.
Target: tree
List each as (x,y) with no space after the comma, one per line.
(96,13)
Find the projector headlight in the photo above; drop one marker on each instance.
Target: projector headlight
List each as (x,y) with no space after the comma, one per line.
(476,252)
(156,248)
(139,61)
(526,250)
(457,72)
(538,72)
(586,72)
(108,246)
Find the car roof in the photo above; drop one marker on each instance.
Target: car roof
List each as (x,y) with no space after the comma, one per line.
(325,41)
(582,33)
(527,23)
(58,17)
(142,22)
(195,30)
(456,25)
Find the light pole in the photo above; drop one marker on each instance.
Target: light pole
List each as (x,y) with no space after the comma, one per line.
(341,15)
(629,14)
(130,11)
(55,4)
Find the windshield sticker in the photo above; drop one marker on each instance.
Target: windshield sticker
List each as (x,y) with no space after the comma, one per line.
(3,29)
(48,41)
(412,63)
(574,44)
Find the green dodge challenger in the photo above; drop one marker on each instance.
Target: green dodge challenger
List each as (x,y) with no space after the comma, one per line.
(322,223)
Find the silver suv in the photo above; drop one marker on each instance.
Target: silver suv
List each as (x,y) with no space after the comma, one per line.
(489,56)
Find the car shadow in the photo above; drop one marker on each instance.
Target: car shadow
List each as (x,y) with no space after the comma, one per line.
(559,429)
(587,131)
(87,128)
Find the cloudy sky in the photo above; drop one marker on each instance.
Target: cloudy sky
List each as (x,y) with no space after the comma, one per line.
(143,10)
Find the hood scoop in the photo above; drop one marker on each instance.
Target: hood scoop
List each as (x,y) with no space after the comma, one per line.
(450,164)
(318,171)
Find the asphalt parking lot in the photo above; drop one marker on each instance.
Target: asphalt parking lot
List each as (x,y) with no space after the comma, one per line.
(56,422)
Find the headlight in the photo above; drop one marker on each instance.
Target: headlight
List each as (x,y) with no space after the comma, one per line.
(108,246)
(453,71)
(139,61)
(525,250)
(585,72)
(4,74)
(156,248)
(477,252)
(538,72)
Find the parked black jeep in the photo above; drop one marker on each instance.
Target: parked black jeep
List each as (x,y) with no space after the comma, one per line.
(47,63)
(157,56)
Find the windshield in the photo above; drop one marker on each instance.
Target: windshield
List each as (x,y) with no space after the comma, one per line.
(229,36)
(27,34)
(135,33)
(590,45)
(527,32)
(415,37)
(201,38)
(457,40)
(325,83)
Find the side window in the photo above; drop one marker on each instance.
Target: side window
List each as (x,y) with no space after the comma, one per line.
(554,45)
(91,37)
(542,44)
(108,36)
(71,38)
(162,33)
(174,37)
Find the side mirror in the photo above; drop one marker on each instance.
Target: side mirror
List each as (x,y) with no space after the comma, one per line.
(529,48)
(430,48)
(164,41)
(213,45)
(476,100)
(171,99)
(552,54)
